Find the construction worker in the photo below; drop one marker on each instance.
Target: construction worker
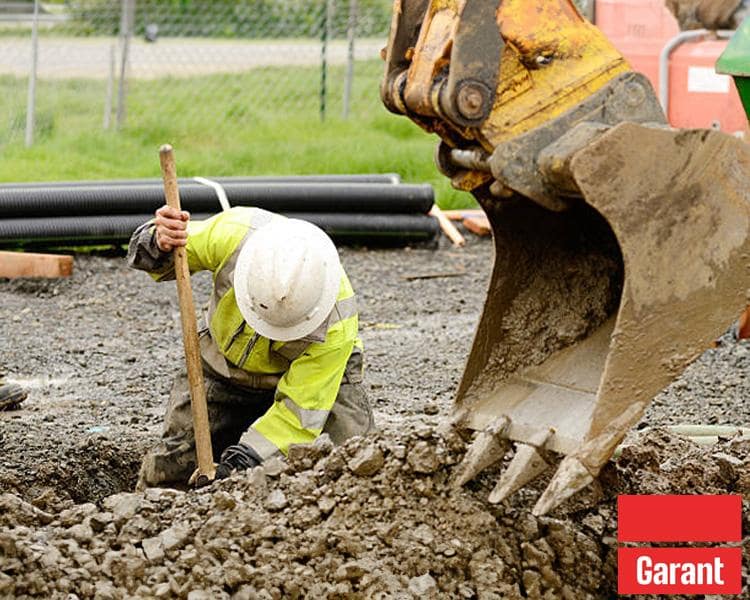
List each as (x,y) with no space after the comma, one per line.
(281,354)
(11,395)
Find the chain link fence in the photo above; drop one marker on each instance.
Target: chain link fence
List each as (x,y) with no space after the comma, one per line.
(105,63)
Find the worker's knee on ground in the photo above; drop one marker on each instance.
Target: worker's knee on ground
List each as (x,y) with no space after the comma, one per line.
(165,465)
(351,414)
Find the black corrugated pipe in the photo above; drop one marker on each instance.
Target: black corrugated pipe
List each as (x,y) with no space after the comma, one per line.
(359,229)
(277,197)
(389,178)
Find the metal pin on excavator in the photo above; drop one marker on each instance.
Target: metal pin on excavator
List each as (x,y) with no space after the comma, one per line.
(621,244)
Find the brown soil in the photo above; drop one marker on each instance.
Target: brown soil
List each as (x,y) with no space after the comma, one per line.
(377,518)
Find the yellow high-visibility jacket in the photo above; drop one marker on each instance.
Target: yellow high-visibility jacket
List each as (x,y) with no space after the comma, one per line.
(307,373)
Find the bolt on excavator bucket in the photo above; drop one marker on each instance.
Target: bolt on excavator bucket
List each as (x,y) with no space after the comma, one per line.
(622,246)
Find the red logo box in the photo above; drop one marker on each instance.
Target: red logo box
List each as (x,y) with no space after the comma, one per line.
(644,570)
(679,570)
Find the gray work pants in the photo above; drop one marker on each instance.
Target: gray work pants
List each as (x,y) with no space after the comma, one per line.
(231,410)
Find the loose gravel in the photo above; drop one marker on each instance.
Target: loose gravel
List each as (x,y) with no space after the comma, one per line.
(377,518)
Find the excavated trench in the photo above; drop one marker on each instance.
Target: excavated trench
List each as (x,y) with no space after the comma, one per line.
(377,518)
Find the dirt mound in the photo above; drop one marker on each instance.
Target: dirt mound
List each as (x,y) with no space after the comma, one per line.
(377,518)
(93,468)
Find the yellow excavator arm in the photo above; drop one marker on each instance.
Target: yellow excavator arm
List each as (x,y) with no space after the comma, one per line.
(621,244)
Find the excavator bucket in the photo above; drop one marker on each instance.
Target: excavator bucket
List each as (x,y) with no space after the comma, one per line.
(591,312)
(622,246)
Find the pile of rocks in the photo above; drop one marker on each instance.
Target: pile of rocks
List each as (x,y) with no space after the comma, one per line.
(377,518)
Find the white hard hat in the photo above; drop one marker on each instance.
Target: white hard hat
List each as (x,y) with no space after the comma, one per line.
(287,279)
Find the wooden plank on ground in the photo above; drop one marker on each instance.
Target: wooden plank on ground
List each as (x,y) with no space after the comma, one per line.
(478,225)
(27,264)
(463,213)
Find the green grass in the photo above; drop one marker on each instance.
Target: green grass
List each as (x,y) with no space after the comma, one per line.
(264,122)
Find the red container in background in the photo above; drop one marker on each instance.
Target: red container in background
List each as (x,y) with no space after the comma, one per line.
(698,96)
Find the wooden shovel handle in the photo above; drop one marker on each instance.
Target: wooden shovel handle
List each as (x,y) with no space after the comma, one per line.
(198,406)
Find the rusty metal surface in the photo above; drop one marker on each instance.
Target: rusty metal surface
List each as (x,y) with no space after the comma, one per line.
(548,59)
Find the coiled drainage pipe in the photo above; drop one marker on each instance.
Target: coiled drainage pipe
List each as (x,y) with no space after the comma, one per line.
(276,197)
(365,229)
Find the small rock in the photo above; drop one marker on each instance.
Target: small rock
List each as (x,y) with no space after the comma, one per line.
(423,534)
(350,571)
(334,465)
(153,549)
(399,451)
(135,529)
(527,525)
(367,461)
(431,408)
(75,515)
(595,523)
(423,458)
(257,480)
(301,457)
(45,499)
(51,557)
(326,504)
(729,466)
(174,537)
(305,517)
(273,467)
(163,590)
(100,520)
(423,586)
(23,512)
(276,501)
(224,500)
(104,590)
(323,444)
(81,533)
(123,506)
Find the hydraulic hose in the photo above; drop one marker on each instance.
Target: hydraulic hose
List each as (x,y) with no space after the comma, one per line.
(390,178)
(361,229)
(198,198)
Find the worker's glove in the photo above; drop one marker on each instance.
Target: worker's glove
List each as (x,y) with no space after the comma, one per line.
(238,457)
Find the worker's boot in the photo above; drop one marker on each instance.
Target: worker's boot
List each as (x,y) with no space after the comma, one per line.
(11,395)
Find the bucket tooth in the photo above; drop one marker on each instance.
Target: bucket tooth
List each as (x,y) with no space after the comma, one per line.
(527,465)
(570,478)
(489,447)
(579,470)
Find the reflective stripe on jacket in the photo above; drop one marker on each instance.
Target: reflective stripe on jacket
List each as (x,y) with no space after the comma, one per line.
(309,370)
